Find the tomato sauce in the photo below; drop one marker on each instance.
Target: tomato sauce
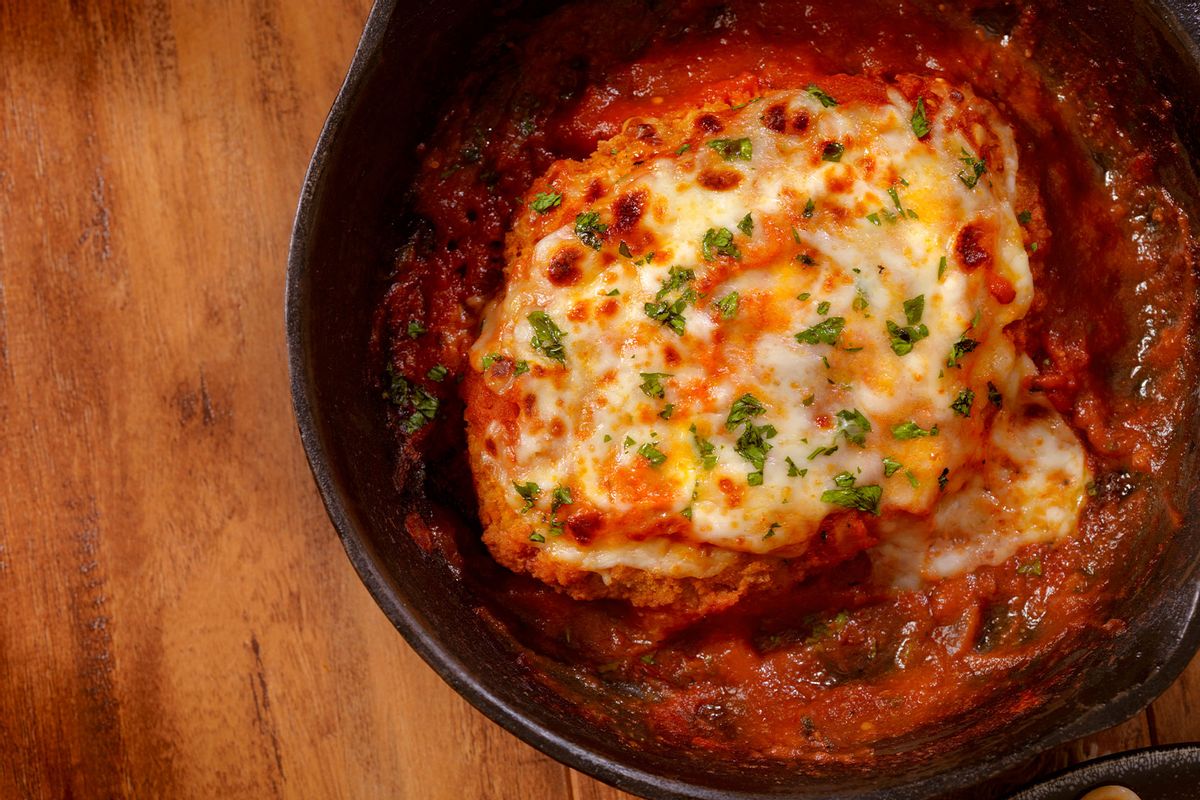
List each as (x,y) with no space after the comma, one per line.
(834,668)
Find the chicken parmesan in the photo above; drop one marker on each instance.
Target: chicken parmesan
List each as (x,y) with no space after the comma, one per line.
(804,382)
(748,342)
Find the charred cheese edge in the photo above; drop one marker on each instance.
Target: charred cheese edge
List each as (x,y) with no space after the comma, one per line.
(731,335)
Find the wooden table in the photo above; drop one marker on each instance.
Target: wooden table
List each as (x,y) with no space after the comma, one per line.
(179,619)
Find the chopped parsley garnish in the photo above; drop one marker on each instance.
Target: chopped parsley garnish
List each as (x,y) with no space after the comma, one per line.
(488,360)
(823,451)
(803,296)
(561,496)
(920,123)
(903,338)
(708,451)
(912,479)
(753,446)
(911,430)
(873,218)
(822,95)
(415,329)
(941,268)
(612,293)
(728,305)
(520,368)
(628,443)
(544,201)
(437,373)
(806,259)
(588,228)
(853,425)
(746,226)
(529,492)
(1025,217)
(652,383)
(744,408)
(771,530)
(847,495)
(994,395)
(827,332)
(405,394)
(719,241)
(943,479)
(677,278)
(808,401)
(861,301)
(537,537)
(652,454)
(959,349)
(547,337)
(1033,568)
(683,148)
(823,307)
(890,466)
(793,470)
(975,169)
(833,151)
(667,411)
(730,149)
(809,208)
(962,404)
(624,250)
(671,313)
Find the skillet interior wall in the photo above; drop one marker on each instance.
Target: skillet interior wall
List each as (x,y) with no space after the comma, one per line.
(375,155)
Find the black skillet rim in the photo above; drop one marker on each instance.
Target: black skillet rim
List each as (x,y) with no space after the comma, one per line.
(407,620)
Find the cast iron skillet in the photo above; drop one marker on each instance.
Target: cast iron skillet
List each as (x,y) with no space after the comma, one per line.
(337,271)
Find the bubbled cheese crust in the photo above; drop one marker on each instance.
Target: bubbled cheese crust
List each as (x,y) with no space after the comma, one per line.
(767,336)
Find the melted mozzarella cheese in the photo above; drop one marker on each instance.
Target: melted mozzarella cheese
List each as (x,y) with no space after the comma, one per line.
(824,236)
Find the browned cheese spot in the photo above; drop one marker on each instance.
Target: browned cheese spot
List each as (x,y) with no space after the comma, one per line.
(627,210)
(709,123)
(972,246)
(719,179)
(564,267)
(775,118)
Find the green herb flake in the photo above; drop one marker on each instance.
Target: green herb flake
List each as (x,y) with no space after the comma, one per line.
(1032,568)
(652,454)
(959,349)
(404,394)
(667,411)
(488,360)
(793,471)
(920,123)
(415,329)
(859,498)
(803,296)
(744,408)
(730,149)
(612,293)
(728,305)
(628,443)
(544,201)
(529,492)
(437,373)
(651,384)
(826,100)
(1025,217)
(624,250)
(941,267)
(994,396)
(911,430)
(912,479)
(822,451)
(588,228)
(547,337)
(824,332)
(719,241)
(943,479)
(746,226)
(708,451)
(808,401)
(975,169)
(823,307)
(683,148)
(832,151)
(962,404)
(809,209)
(520,368)
(853,425)
(537,537)
(890,466)
(774,526)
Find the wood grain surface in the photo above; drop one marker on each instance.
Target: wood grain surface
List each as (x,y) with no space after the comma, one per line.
(179,619)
